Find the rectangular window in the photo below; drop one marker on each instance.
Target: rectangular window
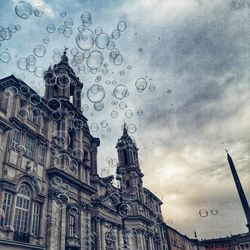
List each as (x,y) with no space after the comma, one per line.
(42,154)
(15,138)
(32,116)
(3,100)
(30,147)
(72,225)
(7,202)
(36,219)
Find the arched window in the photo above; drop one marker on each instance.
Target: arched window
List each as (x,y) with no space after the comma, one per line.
(22,209)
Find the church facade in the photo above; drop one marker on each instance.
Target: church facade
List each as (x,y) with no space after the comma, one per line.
(51,195)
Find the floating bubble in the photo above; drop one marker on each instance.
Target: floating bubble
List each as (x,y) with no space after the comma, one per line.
(129,113)
(98,106)
(85,40)
(61,29)
(114,82)
(86,18)
(102,41)
(31,68)
(111,45)
(63,14)
(129,67)
(38,11)
(35,99)
(95,59)
(141,84)
(12,28)
(54,104)
(50,28)
(169,91)
(98,31)
(24,89)
(39,50)
(94,127)
(214,211)
(63,81)
(115,34)
(96,93)
(152,88)
(203,213)
(85,107)
(114,114)
(74,51)
(104,124)
(46,40)
(23,10)
(122,26)
(122,72)
(140,112)
(5,57)
(123,105)
(120,91)
(69,23)
(31,60)
(118,60)
(68,32)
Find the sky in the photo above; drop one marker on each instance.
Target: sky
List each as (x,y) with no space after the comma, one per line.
(194,57)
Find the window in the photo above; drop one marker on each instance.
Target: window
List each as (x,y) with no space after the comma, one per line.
(4,99)
(23,200)
(30,143)
(7,202)
(15,138)
(36,219)
(44,124)
(72,226)
(42,154)
(31,117)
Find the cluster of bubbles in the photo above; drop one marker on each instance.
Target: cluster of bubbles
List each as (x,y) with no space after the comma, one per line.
(29,63)
(239,4)
(24,10)
(204,213)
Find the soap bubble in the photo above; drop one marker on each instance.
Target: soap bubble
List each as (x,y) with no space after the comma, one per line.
(214,211)
(85,40)
(129,113)
(96,93)
(123,105)
(122,26)
(98,106)
(61,29)
(63,81)
(68,32)
(39,50)
(120,91)
(102,41)
(38,11)
(140,84)
(31,60)
(169,91)
(5,57)
(115,34)
(152,88)
(69,23)
(104,124)
(114,114)
(46,39)
(86,18)
(63,14)
(23,10)
(50,28)
(118,60)
(203,213)
(140,112)
(132,128)
(21,63)
(111,45)
(95,59)
(94,127)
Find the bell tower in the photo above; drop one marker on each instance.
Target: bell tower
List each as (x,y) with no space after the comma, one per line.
(62,83)
(128,170)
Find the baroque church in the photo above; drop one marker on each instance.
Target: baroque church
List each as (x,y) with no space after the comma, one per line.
(51,196)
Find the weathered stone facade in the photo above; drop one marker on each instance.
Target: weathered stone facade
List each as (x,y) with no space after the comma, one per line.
(51,195)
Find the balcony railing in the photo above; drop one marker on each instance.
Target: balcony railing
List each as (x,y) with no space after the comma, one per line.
(22,237)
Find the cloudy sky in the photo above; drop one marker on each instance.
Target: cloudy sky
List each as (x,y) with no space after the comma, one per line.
(194,56)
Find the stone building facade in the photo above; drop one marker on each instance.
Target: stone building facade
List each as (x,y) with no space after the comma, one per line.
(51,195)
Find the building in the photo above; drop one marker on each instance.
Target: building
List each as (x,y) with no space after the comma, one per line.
(51,195)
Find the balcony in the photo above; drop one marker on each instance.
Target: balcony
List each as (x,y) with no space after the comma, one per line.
(22,237)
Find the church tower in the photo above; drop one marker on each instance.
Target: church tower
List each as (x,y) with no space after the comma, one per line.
(62,83)
(128,170)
